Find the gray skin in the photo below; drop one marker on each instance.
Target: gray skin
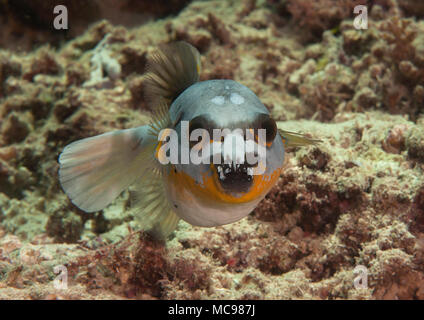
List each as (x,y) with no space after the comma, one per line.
(230,105)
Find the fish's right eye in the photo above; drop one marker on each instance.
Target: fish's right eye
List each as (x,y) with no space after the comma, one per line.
(199,122)
(196,123)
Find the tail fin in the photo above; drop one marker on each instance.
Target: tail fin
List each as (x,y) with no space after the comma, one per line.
(170,70)
(293,139)
(94,171)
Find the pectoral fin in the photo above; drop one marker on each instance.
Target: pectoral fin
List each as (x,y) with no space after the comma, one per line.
(293,139)
(94,171)
(151,206)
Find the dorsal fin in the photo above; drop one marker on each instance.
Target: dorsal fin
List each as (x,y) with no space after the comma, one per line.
(170,70)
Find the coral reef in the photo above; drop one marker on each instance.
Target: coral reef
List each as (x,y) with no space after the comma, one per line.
(357,199)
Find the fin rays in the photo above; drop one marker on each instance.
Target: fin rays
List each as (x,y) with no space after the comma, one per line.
(170,70)
(294,139)
(152,208)
(94,171)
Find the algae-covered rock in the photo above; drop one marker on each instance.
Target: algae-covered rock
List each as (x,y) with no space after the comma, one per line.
(415,144)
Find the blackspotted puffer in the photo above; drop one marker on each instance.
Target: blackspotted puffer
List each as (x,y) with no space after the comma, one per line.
(191,161)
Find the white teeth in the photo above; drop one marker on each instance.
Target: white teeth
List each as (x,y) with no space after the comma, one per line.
(221,175)
(220,172)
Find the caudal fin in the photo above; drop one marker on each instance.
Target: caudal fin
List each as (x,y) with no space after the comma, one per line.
(94,171)
(170,70)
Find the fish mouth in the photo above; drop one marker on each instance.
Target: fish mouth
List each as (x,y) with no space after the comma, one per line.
(234,177)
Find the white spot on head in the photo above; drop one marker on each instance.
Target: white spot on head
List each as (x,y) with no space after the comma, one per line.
(219,100)
(236,98)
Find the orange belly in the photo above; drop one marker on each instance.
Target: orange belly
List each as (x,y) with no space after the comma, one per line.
(210,191)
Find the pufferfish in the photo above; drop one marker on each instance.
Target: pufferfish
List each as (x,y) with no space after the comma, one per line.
(96,170)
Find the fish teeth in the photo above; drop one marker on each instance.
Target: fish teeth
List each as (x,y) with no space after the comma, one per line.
(221,176)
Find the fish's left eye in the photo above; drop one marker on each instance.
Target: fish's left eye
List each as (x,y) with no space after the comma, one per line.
(199,122)
(264,121)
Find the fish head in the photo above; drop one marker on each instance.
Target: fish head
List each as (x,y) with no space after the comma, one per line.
(234,153)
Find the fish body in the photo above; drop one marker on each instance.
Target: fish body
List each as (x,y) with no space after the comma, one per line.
(222,188)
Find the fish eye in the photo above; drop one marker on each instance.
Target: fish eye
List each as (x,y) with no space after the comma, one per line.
(264,121)
(196,123)
(202,122)
(199,122)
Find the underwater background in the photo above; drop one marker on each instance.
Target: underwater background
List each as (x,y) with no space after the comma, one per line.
(355,200)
